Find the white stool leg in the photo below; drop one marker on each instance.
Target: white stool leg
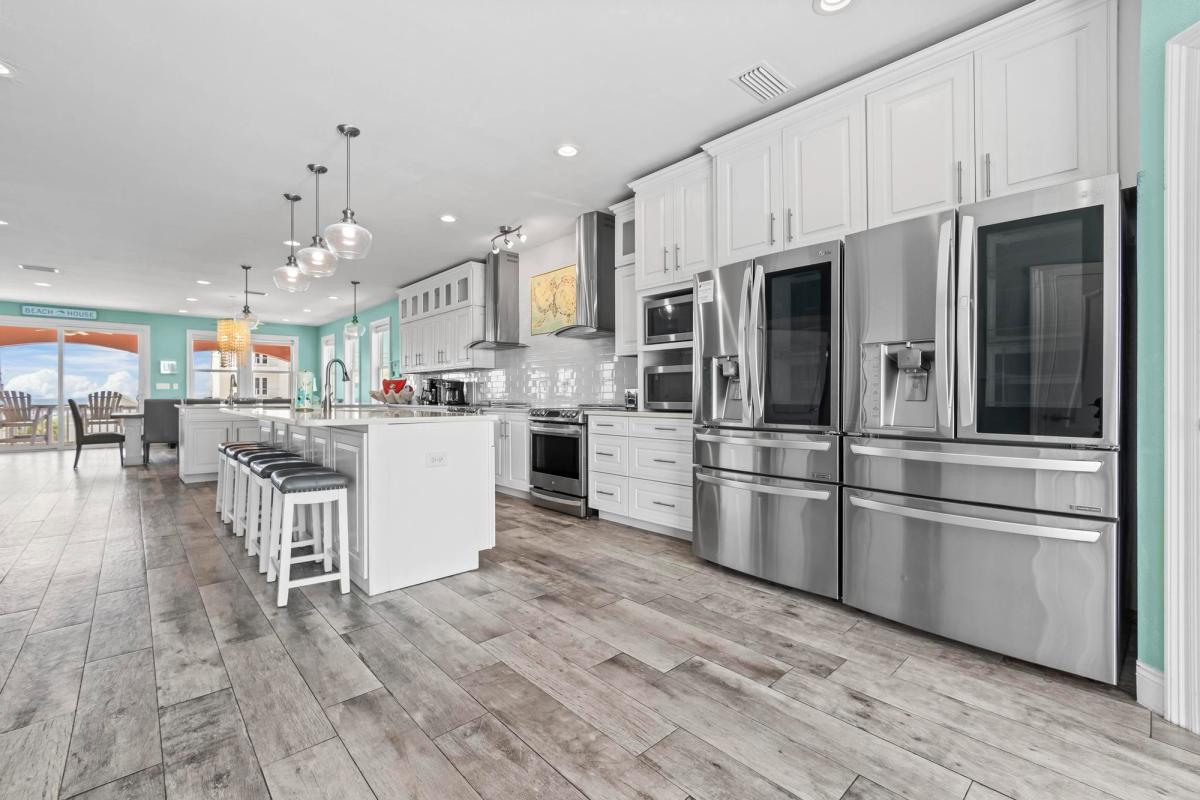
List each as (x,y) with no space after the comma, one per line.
(227,495)
(285,552)
(328,540)
(220,476)
(343,544)
(252,525)
(268,527)
(276,533)
(239,499)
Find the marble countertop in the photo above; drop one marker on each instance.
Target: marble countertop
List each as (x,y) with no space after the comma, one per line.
(355,416)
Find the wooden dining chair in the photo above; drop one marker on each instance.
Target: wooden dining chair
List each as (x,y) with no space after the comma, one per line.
(18,413)
(84,439)
(100,408)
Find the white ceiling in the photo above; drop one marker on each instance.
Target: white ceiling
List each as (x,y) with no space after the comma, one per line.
(146,144)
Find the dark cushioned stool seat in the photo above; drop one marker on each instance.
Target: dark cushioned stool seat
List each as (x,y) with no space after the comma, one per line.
(265,469)
(225,447)
(248,456)
(288,481)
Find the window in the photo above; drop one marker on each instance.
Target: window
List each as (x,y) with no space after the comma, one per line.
(381,353)
(350,356)
(267,373)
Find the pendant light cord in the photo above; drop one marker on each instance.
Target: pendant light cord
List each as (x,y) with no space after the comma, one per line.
(317,207)
(348,206)
(246,290)
(292,237)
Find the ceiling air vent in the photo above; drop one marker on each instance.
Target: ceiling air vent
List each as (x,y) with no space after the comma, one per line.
(763,83)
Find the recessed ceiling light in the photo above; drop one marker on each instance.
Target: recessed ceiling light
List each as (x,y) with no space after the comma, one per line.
(568,151)
(285,319)
(306,310)
(204,283)
(830,6)
(192,299)
(4,222)
(448,218)
(183,311)
(41,283)
(332,297)
(291,243)
(5,70)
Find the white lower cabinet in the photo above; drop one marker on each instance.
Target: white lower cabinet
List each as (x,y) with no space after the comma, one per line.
(640,470)
(318,447)
(202,429)
(512,451)
(348,455)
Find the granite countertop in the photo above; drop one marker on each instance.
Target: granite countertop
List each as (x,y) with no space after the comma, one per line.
(354,416)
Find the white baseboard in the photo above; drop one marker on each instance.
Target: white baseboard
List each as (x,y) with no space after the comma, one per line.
(653,527)
(1150,688)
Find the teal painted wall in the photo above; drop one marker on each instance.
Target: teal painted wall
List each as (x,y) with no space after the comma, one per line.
(1161,20)
(168,340)
(389,310)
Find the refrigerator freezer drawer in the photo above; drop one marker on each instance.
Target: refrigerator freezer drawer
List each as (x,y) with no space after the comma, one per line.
(1038,587)
(1055,480)
(780,530)
(799,456)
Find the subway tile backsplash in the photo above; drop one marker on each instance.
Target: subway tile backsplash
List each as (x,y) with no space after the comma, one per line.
(552,372)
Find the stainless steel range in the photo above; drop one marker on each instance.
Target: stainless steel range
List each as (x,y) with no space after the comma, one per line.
(558,459)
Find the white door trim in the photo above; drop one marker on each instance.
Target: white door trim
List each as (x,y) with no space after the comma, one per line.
(1181,383)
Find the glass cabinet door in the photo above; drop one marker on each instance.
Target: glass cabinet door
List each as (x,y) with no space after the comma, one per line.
(1040,326)
(797,309)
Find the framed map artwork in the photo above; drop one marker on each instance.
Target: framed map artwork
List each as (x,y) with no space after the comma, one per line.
(552,300)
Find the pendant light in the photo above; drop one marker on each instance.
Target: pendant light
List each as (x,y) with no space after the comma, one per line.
(347,238)
(289,277)
(506,235)
(317,260)
(354,327)
(233,339)
(248,316)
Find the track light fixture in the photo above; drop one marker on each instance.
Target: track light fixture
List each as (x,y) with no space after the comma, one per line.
(506,236)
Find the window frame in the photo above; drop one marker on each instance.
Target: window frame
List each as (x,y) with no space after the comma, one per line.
(245,371)
(378,331)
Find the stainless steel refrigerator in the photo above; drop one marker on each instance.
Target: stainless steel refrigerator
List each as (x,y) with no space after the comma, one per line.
(766,404)
(981,414)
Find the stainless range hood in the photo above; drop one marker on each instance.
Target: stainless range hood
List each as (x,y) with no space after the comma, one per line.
(595,283)
(501,303)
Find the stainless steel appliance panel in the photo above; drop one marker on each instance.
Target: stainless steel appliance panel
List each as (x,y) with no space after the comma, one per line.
(668,388)
(666,320)
(1050,479)
(720,358)
(1038,587)
(1039,299)
(780,530)
(898,329)
(795,339)
(558,458)
(800,456)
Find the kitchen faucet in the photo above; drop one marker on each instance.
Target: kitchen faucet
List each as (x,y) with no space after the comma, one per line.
(233,389)
(327,400)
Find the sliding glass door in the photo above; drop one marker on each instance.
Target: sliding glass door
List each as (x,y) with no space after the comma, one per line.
(44,365)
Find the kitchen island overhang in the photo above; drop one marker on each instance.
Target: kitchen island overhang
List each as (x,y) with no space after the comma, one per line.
(421,498)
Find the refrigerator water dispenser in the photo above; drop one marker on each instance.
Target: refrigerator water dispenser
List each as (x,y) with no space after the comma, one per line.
(897,377)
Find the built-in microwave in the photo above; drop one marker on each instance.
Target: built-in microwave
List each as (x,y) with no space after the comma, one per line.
(667,319)
(668,387)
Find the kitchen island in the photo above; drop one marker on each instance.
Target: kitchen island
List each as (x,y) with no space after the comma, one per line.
(421,503)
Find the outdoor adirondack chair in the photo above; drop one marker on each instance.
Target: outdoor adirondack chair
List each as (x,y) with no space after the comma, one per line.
(100,408)
(20,419)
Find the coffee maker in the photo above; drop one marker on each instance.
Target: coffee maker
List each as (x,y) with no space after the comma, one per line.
(431,392)
(452,393)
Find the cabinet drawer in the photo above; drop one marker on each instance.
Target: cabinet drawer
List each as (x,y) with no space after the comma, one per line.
(661,460)
(609,493)
(662,503)
(608,454)
(680,429)
(609,426)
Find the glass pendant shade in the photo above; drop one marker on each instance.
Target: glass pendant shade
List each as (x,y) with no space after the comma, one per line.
(289,277)
(317,260)
(348,239)
(354,328)
(250,318)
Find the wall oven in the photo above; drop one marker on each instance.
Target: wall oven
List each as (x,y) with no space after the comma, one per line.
(558,459)
(668,387)
(667,319)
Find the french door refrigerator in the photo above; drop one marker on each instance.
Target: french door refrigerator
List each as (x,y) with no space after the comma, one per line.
(766,405)
(981,419)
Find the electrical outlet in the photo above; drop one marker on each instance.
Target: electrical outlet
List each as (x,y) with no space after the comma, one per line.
(437,460)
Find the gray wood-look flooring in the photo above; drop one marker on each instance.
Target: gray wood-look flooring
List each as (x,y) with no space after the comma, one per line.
(142,655)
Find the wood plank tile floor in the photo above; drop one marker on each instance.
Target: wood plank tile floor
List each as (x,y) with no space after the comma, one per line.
(142,656)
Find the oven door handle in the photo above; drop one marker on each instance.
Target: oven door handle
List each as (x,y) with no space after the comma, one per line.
(571,431)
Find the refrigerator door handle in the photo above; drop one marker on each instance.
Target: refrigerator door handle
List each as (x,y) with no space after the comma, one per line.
(743,350)
(763,488)
(966,322)
(758,347)
(978,460)
(942,316)
(979,523)
(751,441)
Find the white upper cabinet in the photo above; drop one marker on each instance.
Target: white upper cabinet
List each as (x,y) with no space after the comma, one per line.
(825,175)
(749,199)
(625,244)
(921,149)
(673,212)
(693,222)
(626,312)
(454,288)
(1043,105)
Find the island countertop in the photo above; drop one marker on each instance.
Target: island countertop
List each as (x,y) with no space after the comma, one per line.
(354,416)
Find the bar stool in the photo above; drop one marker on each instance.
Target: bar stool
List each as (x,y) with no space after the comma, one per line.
(296,488)
(226,474)
(241,483)
(258,505)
